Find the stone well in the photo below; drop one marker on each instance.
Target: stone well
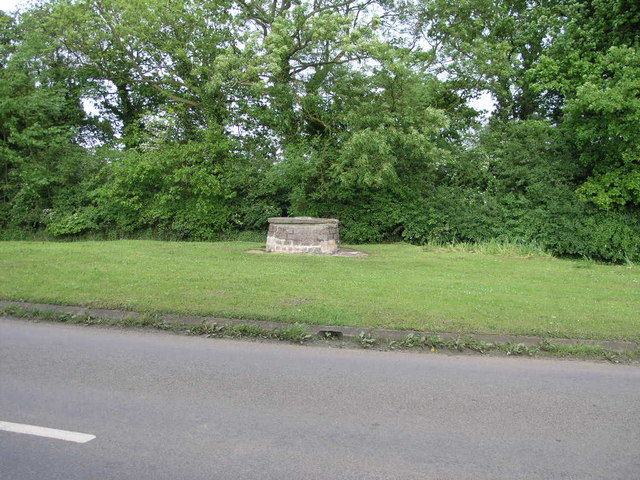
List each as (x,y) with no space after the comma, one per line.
(303,235)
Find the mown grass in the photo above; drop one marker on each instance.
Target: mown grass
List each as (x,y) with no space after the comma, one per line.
(397,286)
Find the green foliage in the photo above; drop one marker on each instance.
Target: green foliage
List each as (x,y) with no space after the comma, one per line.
(365,340)
(178,188)
(73,222)
(296,333)
(420,341)
(491,247)
(147,59)
(207,117)
(513,348)
(40,119)
(410,341)
(488,45)
(591,233)
(603,118)
(525,195)
(582,32)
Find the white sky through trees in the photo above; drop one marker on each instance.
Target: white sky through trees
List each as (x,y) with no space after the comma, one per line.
(10,5)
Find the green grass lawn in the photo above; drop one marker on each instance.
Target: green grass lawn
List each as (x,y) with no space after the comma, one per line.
(397,286)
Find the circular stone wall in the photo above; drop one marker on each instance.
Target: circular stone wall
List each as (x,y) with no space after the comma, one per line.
(303,235)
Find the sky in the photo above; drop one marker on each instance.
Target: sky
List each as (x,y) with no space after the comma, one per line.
(10,5)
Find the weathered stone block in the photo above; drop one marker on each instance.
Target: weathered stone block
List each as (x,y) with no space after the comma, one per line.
(303,235)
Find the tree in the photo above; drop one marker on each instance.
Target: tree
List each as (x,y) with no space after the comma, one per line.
(487,45)
(581,32)
(149,59)
(40,119)
(603,118)
(590,70)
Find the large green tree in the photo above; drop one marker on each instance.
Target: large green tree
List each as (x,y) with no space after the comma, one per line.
(149,60)
(602,119)
(486,46)
(591,69)
(41,120)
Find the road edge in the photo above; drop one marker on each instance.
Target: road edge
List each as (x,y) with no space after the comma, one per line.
(365,337)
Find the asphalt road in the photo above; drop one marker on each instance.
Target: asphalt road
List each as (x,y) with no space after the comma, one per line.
(165,406)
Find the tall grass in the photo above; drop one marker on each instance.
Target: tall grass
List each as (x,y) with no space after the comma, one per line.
(506,248)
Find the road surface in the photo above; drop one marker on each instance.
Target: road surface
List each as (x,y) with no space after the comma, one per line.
(165,406)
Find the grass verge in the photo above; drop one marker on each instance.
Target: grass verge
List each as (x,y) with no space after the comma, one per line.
(295,333)
(544,348)
(298,333)
(495,289)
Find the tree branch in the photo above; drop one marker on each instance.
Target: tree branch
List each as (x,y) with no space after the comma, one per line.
(134,64)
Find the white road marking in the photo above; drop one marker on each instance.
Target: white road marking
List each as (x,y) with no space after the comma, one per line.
(46,432)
